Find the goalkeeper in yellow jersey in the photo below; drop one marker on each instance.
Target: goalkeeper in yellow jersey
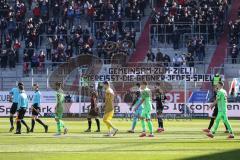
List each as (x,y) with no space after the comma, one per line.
(109,109)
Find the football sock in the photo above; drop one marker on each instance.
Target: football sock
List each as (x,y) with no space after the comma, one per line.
(211,123)
(33,124)
(11,121)
(143,125)
(24,123)
(226,127)
(18,127)
(150,126)
(61,124)
(160,123)
(134,123)
(98,123)
(40,122)
(58,127)
(89,123)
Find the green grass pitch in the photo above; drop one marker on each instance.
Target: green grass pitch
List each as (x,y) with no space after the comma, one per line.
(182,140)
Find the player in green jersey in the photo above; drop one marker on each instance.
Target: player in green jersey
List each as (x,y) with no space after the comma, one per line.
(221,101)
(146,102)
(59,109)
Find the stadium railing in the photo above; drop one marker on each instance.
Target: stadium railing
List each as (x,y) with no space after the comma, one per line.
(136,24)
(228,56)
(42,72)
(231,60)
(160,33)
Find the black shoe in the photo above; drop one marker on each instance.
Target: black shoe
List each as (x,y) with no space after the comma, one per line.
(11,129)
(28,130)
(46,129)
(97,130)
(17,133)
(88,130)
(65,131)
(31,130)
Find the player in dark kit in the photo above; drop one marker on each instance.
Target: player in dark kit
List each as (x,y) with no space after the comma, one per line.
(160,99)
(93,113)
(14,99)
(36,109)
(21,109)
(214,114)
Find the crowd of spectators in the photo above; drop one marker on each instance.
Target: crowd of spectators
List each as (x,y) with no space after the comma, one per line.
(55,30)
(196,47)
(234,37)
(41,31)
(177,17)
(195,54)
(178,60)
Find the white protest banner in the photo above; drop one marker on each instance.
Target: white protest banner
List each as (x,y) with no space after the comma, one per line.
(233,108)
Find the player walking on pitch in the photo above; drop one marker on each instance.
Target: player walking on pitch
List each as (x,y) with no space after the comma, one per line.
(59,109)
(21,109)
(14,93)
(137,112)
(93,113)
(160,99)
(221,101)
(146,100)
(109,109)
(36,109)
(214,114)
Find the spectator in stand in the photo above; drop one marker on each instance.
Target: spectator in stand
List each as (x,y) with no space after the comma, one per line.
(29,50)
(69,51)
(159,57)
(175,39)
(49,49)
(44,10)
(166,60)
(150,56)
(3,28)
(34,61)
(26,62)
(4,59)
(234,53)
(36,12)
(175,60)
(11,58)
(16,47)
(200,49)
(189,60)
(234,29)
(8,42)
(234,36)
(41,58)
(70,15)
